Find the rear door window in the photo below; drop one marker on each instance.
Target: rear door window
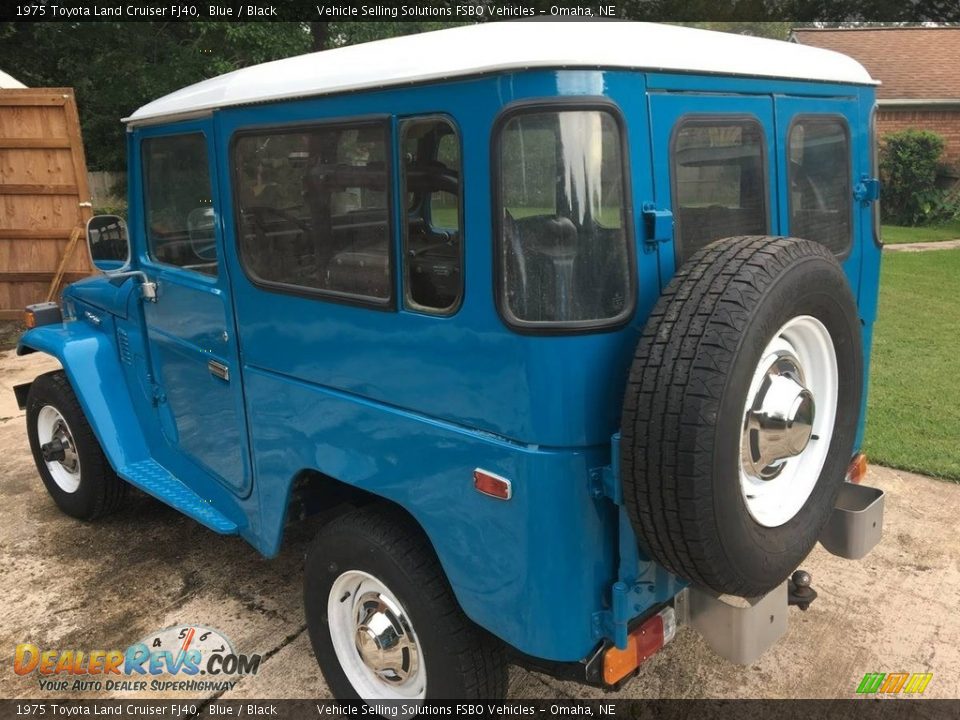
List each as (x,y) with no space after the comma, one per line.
(819,172)
(719,181)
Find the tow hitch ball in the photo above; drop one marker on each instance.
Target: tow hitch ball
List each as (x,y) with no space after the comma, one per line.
(799,592)
(54,451)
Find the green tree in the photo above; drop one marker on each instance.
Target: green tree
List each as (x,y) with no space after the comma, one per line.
(774,30)
(117,67)
(327,35)
(909,164)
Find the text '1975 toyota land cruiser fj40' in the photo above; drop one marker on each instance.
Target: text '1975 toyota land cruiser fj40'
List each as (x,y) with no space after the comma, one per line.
(571,319)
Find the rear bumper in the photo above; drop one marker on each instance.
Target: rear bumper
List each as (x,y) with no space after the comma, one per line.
(742,629)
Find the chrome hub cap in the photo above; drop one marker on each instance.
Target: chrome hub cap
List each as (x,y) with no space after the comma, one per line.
(780,423)
(384,639)
(788,421)
(374,639)
(58,449)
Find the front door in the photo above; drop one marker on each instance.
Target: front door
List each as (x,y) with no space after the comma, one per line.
(197,387)
(713,169)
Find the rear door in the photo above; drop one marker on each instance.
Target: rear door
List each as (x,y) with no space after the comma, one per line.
(713,169)
(819,169)
(198,390)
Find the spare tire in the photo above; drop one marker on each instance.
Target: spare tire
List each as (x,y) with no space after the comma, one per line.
(741,412)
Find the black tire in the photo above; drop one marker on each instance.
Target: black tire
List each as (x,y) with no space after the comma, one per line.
(462,660)
(684,405)
(101,491)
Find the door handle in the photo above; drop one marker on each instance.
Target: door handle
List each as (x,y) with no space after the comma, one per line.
(218,369)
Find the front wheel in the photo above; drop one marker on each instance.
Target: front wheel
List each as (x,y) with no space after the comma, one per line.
(68,456)
(383,620)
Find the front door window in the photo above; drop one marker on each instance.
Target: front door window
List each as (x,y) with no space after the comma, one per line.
(179,202)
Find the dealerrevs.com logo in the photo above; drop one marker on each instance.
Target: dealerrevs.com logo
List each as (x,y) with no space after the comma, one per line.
(894,683)
(173,659)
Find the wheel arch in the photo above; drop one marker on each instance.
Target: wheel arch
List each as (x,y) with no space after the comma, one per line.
(313,493)
(86,355)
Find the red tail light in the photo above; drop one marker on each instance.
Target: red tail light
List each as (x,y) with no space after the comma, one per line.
(642,643)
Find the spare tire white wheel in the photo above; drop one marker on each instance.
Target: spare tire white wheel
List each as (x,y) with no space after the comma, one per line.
(741,412)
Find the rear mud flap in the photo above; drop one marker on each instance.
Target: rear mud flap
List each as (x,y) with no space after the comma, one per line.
(21,393)
(742,629)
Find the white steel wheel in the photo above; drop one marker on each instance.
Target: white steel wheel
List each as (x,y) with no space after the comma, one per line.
(59,448)
(788,421)
(374,639)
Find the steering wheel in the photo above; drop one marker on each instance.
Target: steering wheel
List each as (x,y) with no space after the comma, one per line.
(447,241)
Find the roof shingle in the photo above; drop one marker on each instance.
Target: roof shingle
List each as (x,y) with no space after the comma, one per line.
(912,63)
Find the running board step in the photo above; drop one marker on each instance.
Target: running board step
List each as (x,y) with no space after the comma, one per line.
(153,478)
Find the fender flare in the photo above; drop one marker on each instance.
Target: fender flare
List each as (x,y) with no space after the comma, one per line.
(89,359)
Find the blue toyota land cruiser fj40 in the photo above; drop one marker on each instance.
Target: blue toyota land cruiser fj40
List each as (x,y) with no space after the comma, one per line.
(571,320)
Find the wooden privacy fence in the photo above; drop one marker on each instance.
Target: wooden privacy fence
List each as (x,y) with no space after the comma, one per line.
(44,197)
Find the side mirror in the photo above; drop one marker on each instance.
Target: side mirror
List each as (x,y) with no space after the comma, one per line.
(108,242)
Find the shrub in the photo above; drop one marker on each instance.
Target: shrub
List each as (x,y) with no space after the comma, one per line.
(909,163)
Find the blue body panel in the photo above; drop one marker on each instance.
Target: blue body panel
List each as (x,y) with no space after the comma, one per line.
(406,405)
(87,350)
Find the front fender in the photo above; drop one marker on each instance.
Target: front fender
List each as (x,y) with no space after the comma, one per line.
(89,358)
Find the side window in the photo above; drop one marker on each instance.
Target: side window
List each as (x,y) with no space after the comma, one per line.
(719,179)
(820,193)
(433,231)
(313,209)
(565,258)
(179,202)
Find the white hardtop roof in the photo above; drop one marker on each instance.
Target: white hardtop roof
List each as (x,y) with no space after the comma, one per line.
(503,46)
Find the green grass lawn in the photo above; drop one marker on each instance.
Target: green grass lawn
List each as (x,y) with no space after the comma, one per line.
(913,420)
(896,235)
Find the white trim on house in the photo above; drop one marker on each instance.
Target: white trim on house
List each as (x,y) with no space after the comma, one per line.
(919,103)
(505,46)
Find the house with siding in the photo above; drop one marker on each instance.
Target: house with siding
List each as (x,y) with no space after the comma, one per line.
(920,71)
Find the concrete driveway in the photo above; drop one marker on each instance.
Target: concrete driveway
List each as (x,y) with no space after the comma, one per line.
(67,584)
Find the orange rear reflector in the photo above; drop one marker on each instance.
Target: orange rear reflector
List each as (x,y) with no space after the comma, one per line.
(642,643)
(492,485)
(617,664)
(29,319)
(857,470)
